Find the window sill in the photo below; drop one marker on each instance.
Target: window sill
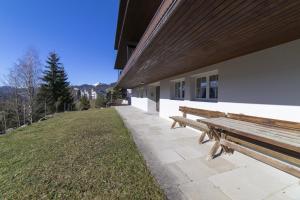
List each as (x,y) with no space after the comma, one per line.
(206,100)
(177,99)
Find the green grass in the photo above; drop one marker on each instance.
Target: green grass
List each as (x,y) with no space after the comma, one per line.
(76,155)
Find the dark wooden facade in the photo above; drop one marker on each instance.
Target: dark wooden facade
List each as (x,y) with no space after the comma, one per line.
(185,35)
(134,17)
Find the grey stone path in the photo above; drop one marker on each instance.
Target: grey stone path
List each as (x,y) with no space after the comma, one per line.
(178,163)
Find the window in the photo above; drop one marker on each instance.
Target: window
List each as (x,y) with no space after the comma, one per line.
(182,89)
(179,88)
(201,85)
(206,87)
(213,87)
(141,91)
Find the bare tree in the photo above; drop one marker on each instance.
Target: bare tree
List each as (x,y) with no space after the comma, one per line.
(14,103)
(28,68)
(3,121)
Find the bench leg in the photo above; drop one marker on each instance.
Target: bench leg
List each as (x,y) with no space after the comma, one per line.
(210,135)
(201,139)
(226,149)
(174,124)
(213,150)
(214,134)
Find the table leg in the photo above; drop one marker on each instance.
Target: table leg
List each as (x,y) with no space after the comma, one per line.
(225,148)
(213,150)
(210,135)
(174,124)
(216,136)
(201,139)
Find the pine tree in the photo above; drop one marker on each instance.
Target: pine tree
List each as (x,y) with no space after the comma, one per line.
(65,97)
(55,90)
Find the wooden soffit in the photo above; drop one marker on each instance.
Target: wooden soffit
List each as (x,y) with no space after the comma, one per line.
(134,18)
(185,35)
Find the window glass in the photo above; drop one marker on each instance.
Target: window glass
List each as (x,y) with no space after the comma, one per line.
(177,89)
(213,87)
(142,92)
(182,89)
(201,85)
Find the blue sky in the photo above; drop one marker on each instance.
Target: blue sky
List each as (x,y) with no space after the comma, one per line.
(81,31)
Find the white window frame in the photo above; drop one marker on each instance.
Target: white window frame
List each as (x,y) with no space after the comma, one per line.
(181,89)
(207,75)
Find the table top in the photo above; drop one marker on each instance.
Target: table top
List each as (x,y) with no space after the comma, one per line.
(278,137)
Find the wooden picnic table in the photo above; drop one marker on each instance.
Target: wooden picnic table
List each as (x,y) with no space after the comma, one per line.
(224,130)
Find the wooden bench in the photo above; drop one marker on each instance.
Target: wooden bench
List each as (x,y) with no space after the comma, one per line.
(183,121)
(275,142)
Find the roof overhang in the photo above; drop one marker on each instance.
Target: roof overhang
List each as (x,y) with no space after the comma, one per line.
(134,17)
(186,35)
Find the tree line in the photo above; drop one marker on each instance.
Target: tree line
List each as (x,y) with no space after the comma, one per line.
(111,98)
(34,93)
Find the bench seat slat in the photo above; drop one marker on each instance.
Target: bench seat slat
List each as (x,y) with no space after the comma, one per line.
(190,122)
(201,112)
(291,169)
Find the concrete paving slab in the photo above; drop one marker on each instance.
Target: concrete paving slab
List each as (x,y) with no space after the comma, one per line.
(251,182)
(290,193)
(202,190)
(188,152)
(178,163)
(168,156)
(159,145)
(193,142)
(195,169)
(179,177)
(219,164)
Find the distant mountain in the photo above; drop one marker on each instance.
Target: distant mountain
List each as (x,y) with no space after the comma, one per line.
(99,88)
(96,84)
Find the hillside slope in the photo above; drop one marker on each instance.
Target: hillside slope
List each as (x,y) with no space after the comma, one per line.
(76,155)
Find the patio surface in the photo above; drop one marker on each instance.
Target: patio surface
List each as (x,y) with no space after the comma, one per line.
(179,164)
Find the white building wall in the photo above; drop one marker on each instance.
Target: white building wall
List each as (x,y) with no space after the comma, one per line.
(141,103)
(264,83)
(145,101)
(151,99)
(139,98)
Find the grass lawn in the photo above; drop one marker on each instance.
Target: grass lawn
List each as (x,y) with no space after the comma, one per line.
(76,155)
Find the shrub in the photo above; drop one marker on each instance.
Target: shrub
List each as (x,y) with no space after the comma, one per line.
(84,103)
(100,101)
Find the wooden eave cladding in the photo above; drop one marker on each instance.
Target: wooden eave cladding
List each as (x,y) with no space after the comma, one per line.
(185,35)
(122,9)
(134,17)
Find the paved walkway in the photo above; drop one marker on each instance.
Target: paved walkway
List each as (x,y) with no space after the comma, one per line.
(178,163)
